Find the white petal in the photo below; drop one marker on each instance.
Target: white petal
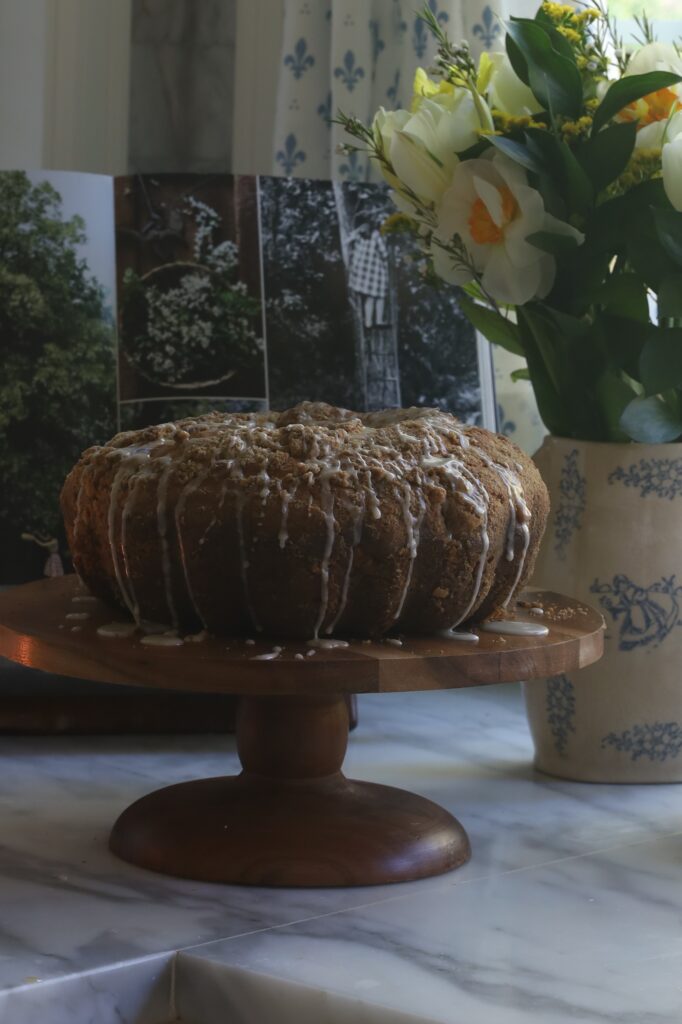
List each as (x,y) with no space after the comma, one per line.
(491,199)
(417,169)
(561,227)
(511,173)
(507,283)
(444,267)
(672,172)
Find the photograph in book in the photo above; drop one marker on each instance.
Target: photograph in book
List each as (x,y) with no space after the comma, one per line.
(57,345)
(190,313)
(351,317)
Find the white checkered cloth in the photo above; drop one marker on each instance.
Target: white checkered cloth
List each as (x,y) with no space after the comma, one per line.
(369,266)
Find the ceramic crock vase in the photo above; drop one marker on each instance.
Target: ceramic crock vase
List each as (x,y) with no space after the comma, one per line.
(614,539)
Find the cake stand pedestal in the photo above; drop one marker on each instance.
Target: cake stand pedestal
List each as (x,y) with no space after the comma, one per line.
(291,818)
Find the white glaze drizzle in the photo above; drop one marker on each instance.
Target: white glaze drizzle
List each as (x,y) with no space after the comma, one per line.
(84,599)
(435,437)
(162,640)
(190,488)
(327,505)
(514,627)
(77,616)
(460,635)
(358,523)
(117,629)
(269,655)
(326,644)
(162,527)
(413,526)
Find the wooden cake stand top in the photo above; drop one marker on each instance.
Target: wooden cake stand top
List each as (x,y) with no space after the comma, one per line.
(38,628)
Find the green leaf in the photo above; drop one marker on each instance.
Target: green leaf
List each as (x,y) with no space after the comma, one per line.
(606,154)
(651,421)
(669,230)
(554,80)
(558,158)
(670,297)
(559,42)
(614,395)
(624,295)
(552,243)
(660,363)
(627,90)
(515,151)
(521,373)
(623,339)
(516,59)
(494,327)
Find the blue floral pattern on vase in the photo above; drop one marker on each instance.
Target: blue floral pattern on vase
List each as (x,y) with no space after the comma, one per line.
(645,616)
(300,60)
(289,156)
(660,477)
(560,707)
(487,29)
(572,496)
(657,742)
(421,34)
(349,73)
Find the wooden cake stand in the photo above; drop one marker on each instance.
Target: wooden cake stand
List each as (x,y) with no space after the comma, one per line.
(291,818)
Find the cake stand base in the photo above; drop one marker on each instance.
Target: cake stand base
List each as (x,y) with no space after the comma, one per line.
(291,818)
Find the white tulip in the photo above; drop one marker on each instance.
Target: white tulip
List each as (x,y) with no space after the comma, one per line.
(492,209)
(672,171)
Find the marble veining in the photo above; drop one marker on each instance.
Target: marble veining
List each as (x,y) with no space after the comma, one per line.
(568,911)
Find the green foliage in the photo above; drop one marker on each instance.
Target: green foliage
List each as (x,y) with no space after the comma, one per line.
(602,329)
(552,75)
(57,389)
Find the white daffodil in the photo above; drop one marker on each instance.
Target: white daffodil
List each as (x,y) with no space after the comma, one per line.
(671,159)
(656,134)
(653,111)
(505,90)
(422,145)
(492,209)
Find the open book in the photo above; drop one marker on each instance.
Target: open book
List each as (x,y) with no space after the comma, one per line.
(130,301)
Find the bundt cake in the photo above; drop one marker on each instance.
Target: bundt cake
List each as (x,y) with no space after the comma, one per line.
(307,523)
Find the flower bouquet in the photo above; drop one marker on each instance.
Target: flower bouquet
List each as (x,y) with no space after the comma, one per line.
(547,180)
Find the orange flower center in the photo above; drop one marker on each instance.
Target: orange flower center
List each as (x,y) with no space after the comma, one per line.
(483,228)
(656,106)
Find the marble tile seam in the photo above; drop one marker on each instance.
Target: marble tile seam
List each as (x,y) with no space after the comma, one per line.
(432,890)
(167,955)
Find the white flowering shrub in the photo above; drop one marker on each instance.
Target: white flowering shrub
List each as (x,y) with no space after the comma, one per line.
(190,324)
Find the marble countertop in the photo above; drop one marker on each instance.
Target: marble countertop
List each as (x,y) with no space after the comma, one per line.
(570,909)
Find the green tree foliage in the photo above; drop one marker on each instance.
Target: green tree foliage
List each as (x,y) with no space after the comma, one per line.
(57,386)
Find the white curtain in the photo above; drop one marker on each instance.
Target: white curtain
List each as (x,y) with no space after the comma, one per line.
(358,55)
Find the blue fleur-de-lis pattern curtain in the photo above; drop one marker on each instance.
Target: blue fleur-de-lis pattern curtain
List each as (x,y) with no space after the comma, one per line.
(358,55)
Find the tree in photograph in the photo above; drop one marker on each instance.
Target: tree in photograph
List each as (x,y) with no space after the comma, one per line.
(57,388)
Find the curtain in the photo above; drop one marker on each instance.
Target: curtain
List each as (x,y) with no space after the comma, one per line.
(357,55)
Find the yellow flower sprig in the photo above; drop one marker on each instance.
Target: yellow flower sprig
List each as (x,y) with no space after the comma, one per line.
(644,165)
